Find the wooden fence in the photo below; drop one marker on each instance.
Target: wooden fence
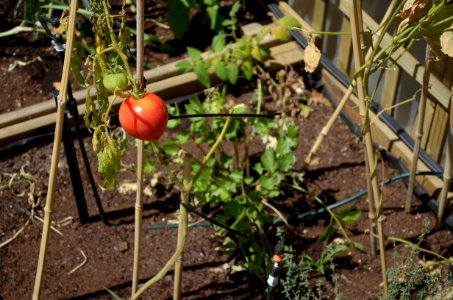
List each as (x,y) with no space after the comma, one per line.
(400,83)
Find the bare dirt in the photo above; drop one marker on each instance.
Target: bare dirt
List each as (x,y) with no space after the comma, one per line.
(107,250)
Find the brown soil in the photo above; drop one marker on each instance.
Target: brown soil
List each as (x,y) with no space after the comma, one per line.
(338,172)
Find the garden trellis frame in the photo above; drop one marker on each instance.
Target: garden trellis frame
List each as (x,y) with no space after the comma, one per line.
(392,130)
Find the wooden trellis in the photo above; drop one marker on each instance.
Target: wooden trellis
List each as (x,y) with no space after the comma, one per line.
(406,75)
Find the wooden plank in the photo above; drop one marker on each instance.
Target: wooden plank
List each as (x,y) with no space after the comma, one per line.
(153,75)
(345,51)
(407,61)
(168,88)
(390,88)
(437,134)
(429,115)
(319,15)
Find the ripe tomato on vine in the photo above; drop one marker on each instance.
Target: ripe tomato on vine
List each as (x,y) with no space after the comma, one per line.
(145,118)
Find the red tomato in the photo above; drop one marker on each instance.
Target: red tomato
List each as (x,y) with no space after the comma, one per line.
(145,118)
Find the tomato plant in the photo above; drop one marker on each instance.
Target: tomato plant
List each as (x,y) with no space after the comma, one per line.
(145,118)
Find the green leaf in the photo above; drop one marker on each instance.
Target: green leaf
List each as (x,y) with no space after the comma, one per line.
(212,12)
(327,233)
(270,183)
(288,22)
(268,160)
(234,9)
(202,74)
(349,216)
(194,53)
(194,106)
(283,146)
(286,162)
(148,166)
(209,2)
(248,180)
(218,42)
(184,66)
(178,17)
(232,72)
(247,69)
(292,131)
(258,167)
(220,70)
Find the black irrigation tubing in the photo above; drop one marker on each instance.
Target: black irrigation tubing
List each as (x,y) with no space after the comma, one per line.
(191,209)
(207,115)
(299,217)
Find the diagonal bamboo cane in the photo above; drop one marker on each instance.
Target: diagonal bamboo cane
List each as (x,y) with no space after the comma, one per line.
(140,16)
(370,166)
(419,129)
(62,97)
(447,172)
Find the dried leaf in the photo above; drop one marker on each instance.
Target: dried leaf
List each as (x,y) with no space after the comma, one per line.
(412,10)
(312,55)
(446,41)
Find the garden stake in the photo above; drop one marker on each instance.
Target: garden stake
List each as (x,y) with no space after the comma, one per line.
(370,166)
(447,172)
(183,219)
(325,130)
(183,229)
(55,151)
(419,129)
(140,148)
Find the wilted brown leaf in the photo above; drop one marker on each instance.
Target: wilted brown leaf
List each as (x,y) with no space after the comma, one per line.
(446,41)
(412,10)
(312,55)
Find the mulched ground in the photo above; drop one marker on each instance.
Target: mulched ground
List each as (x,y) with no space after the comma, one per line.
(337,173)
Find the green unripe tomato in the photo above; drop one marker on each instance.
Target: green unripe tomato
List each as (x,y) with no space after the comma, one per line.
(112,81)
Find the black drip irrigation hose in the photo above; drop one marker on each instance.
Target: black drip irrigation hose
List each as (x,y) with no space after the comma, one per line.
(299,217)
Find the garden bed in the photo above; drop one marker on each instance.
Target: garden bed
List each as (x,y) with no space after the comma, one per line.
(85,260)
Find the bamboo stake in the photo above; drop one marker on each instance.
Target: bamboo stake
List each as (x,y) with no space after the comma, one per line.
(140,19)
(419,130)
(370,168)
(62,97)
(447,172)
(183,217)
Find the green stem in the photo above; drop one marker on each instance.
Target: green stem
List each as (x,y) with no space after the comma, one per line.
(120,52)
(211,151)
(420,249)
(331,213)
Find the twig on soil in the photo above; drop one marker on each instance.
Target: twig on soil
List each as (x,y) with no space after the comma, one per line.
(15,234)
(85,259)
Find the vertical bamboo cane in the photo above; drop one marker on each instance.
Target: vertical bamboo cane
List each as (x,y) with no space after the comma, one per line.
(55,151)
(373,188)
(419,130)
(447,172)
(183,216)
(140,19)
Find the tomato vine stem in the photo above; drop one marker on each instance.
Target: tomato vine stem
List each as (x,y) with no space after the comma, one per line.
(135,91)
